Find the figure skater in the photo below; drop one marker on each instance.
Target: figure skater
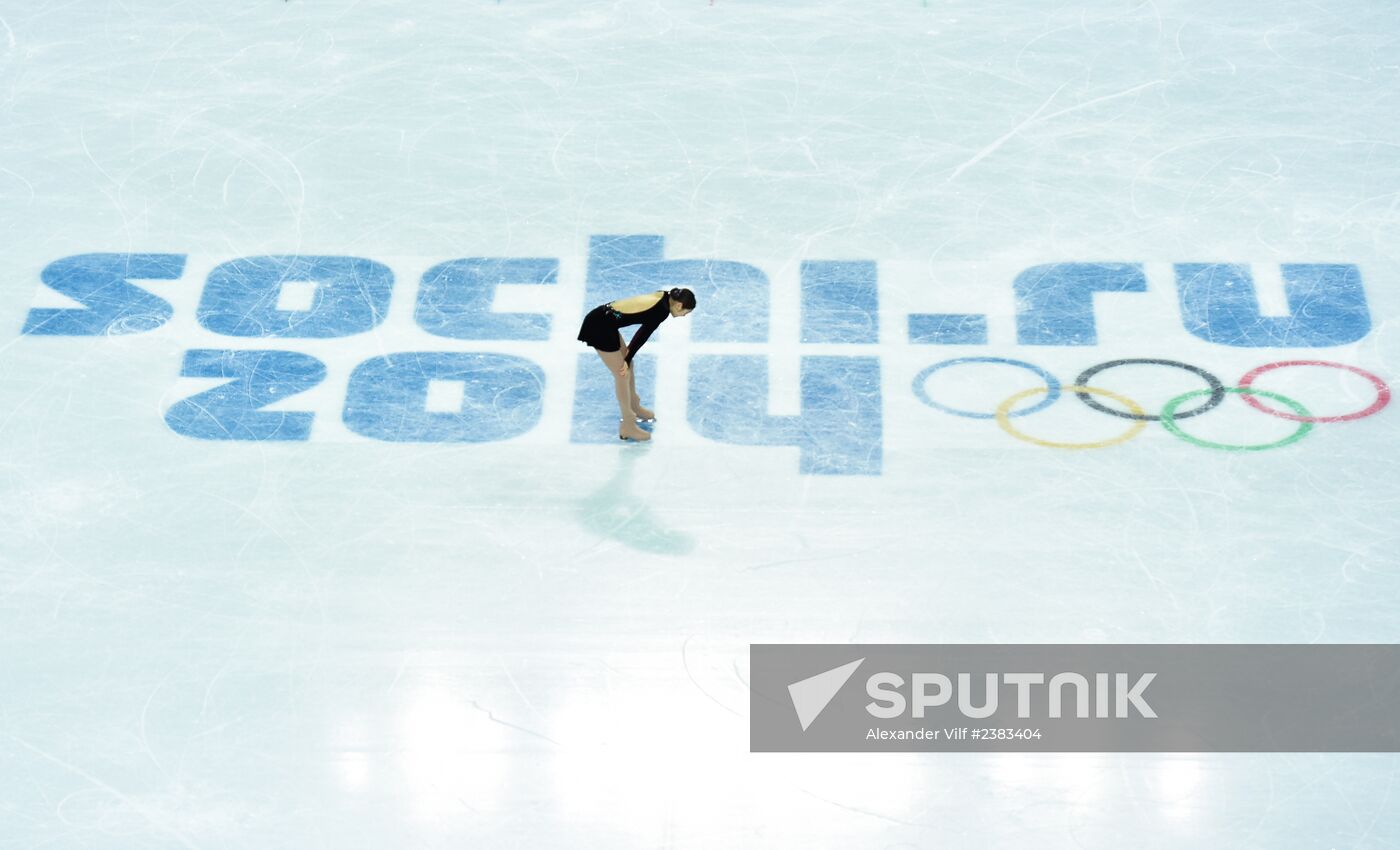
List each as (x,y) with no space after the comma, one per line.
(600,330)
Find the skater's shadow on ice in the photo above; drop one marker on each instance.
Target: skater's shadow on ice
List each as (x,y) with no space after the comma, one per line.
(615,512)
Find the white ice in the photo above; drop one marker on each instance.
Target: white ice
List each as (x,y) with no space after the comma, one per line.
(351,643)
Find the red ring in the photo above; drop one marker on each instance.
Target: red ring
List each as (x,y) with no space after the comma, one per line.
(1382,391)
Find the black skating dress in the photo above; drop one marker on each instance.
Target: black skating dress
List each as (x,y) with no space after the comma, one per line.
(600,326)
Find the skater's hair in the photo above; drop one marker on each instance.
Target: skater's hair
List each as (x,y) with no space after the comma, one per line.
(684,296)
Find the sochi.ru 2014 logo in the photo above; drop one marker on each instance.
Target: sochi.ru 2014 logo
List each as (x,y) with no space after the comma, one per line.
(277,332)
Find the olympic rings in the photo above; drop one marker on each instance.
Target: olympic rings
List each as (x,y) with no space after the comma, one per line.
(1217,389)
(1382,391)
(1004,419)
(1051,382)
(1214,394)
(1169,420)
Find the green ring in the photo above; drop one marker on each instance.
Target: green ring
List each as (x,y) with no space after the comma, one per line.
(1169,420)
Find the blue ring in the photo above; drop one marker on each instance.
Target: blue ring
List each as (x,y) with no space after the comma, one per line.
(1051,382)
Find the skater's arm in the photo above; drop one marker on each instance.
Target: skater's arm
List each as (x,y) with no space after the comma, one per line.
(639,338)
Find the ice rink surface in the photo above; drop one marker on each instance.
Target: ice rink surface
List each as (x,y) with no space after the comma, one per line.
(438,604)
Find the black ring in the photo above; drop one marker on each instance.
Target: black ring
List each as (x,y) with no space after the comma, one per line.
(1217,389)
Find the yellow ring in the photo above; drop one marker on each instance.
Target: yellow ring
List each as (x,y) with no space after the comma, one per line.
(1004,419)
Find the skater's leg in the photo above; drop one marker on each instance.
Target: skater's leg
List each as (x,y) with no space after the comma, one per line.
(616,361)
(637,409)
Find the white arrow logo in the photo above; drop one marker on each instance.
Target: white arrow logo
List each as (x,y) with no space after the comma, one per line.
(812,695)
